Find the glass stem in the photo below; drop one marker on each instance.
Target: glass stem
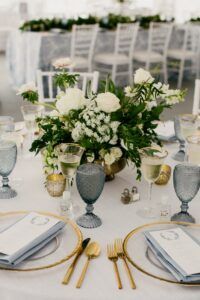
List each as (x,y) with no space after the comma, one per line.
(150,191)
(5,181)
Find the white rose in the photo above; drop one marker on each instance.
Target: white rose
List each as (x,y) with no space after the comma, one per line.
(116,151)
(28,87)
(62,62)
(142,76)
(107,102)
(109,159)
(72,99)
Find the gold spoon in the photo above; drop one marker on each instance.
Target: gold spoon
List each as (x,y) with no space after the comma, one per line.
(92,251)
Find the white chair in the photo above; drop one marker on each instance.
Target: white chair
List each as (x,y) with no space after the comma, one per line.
(82,46)
(189,52)
(196,102)
(47,89)
(124,45)
(154,58)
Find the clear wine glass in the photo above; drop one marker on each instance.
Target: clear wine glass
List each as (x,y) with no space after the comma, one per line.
(69,157)
(30,113)
(152,159)
(186,180)
(188,124)
(6,124)
(8,157)
(90,181)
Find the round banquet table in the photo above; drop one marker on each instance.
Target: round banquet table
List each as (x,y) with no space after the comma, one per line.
(118,220)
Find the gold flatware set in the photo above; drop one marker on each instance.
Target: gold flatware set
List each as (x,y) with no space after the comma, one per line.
(92,250)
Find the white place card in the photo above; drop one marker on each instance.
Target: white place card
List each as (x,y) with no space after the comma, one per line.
(181,247)
(24,232)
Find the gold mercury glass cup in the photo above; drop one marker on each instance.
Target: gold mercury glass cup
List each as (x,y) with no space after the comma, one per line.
(164,176)
(55,184)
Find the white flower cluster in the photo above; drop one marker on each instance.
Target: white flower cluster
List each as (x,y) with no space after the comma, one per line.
(109,157)
(96,125)
(169,95)
(50,162)
(28,87)
(62,62)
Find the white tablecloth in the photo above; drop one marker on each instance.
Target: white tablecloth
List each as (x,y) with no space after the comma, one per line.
(118,219)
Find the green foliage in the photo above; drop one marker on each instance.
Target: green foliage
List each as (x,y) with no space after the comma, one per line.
(146,20)
(65,80)
(30,96)
(53,132)
(108,22)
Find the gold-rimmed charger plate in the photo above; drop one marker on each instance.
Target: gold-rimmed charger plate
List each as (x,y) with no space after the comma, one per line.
(135,248)
(70,240)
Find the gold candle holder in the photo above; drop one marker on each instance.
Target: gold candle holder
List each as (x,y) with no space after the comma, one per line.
(55,184)
(165,175)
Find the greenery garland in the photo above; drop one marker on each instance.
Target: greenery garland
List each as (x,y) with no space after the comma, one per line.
(109,22)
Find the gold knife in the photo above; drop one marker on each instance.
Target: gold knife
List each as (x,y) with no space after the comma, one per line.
(73,264)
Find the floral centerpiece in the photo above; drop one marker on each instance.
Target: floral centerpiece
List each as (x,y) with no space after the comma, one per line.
(111,125)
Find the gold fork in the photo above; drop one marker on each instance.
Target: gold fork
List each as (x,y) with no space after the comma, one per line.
(120,253)
(112,255)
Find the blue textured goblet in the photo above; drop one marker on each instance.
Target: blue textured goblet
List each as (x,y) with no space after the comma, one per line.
(8,157)
(186,184)
(90,180)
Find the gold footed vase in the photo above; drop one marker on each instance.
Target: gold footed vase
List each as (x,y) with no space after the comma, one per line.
(111,170)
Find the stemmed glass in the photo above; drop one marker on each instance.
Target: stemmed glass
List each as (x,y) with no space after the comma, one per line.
(152,160)
(69,157)
(90,181)
(30,113)
(186,180)
(8,157)
(184,126)
(6,124)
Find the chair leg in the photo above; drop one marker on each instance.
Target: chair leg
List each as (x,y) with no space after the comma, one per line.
(114,73)
(180,76)
(165,74)
(130,67)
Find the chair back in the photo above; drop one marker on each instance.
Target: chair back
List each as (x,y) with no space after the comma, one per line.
(126,35)
(83,41)
(159,37)
(196,101)
(191,38)
(48,91)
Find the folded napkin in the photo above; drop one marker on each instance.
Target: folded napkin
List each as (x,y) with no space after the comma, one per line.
(178,251)
(27,236)
(165,131)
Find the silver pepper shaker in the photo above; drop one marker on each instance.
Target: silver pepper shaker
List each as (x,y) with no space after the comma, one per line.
(135,194)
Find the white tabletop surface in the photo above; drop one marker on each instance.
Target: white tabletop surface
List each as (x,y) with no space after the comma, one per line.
(118,219)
